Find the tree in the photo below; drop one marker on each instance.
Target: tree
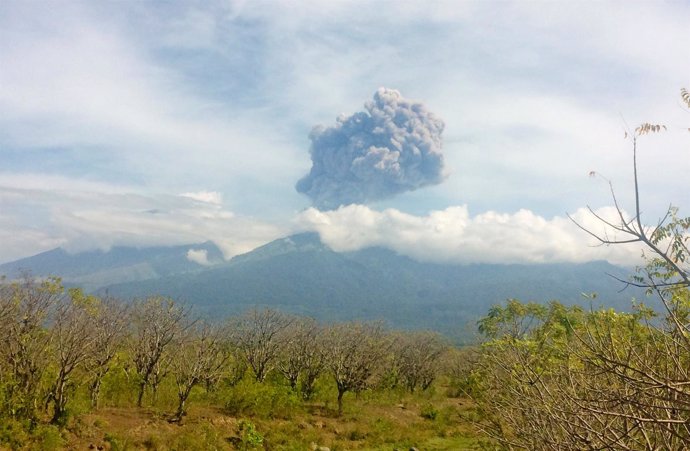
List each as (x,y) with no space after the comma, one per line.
(353,352)
(302,354)
(72,342)
(27,304)
(156,323)
(109,321)
(567,379)
(258,334)
(417,358)
(201,356)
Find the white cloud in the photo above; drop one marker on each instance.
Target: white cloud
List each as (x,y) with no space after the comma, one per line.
(83,81)
(453,236)
(210,197)
(106,216)
(171,97)
(199,256)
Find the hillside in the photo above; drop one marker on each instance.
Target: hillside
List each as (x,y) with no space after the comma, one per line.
(301,275)
(95,269)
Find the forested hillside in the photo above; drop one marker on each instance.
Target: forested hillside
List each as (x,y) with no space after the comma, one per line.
(301,275)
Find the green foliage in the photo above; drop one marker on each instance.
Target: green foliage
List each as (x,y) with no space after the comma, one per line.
(429,411)
(262,400)
(48,437)
(515,319)
(202,437)
(14,433)
(250,438)
(118,387)
(117,443)
(566,368)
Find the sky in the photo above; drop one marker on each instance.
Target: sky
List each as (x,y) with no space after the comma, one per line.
(454,131)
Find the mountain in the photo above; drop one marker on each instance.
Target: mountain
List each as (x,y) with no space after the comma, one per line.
(95,269)
(299,274)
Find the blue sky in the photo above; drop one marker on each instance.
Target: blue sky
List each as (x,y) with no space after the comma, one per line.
(147,123)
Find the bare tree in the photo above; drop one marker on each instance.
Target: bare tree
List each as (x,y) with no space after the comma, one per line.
(110,318)
(302,354)
(236,368)
(353,352)
(6,306)
(417,358)
(200,357)
(72,342)
(24,347)
(258,335)
(156,323)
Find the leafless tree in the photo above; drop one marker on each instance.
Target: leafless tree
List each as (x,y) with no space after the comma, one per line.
(72,342)
(417,358)
(156,323)
(201,356)
(302,354)
(109,322)
(6,306)
(258,335)
(236,368)
(353,351)
(24,346)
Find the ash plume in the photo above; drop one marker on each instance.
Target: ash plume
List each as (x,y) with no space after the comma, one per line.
(392,147)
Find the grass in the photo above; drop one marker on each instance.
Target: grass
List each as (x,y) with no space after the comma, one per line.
(253,416)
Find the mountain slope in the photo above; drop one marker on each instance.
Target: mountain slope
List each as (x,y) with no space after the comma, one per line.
(301,275)
(95,269)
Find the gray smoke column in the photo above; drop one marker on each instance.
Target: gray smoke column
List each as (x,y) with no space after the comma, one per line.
(392,147)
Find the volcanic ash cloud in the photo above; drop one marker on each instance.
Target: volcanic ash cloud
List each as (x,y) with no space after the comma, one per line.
(392,147)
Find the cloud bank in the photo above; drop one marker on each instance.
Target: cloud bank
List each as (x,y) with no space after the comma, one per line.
(453,236)
(81,216)
(392,147)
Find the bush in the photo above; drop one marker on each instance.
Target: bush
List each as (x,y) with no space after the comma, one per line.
(14,434)
(117,443)
(48,437)
(250,438)
(429,412)
(263,400)
(202,437)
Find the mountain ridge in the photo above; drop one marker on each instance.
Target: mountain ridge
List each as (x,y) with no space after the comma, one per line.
(300,274)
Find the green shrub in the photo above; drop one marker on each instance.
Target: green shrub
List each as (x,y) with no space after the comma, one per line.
(429,412)
(202,437)
(117,443)
(48,437)
(250,438)
(14,434)
(263,400)
(356,434)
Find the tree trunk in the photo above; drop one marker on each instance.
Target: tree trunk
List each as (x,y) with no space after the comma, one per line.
(154,392)
(182,396)
(308,386)
(140,398)
(59,402)
(95,390)
(180,409)
(340,401)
